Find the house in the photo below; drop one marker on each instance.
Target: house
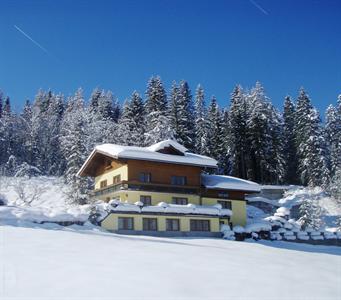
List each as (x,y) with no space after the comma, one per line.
(165,190)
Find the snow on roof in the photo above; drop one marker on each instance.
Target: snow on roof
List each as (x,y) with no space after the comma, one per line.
(167,143)
(172,209)
(150,153)
(229,183)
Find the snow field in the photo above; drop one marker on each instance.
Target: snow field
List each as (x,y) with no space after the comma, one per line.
(68,263)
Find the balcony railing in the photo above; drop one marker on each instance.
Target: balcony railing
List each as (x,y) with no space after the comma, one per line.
(147,186)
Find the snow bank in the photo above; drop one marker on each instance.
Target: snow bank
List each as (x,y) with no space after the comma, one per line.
(256,227)
(38,199)
(282,212)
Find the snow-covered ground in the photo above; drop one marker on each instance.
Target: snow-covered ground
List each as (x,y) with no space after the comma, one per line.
(38,199)
(48,261)
(53,262)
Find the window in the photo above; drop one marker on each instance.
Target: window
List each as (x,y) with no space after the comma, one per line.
(181,201)
(179,180)
(146,200)
(223,194)
(172,224)
(225,204)
(200,225)
(149,224)
(117,179)
(125,223)
(103,184)
(145,177)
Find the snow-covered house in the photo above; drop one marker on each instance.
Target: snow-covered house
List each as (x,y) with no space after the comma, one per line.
(164,189)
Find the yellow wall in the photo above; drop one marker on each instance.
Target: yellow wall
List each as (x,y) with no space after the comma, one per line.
(111,222)
(239,213)
(238,206)
(123,171)
(134,196)
(238,209)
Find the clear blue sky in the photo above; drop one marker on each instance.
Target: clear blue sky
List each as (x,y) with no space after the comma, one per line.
(118,45)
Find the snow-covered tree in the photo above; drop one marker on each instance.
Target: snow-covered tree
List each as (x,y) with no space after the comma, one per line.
(335,186)
(214,117)
(310,143)
(237,137)
(185,135)
(158,125)
(73,145)
(333,137)
(289,146)
(310,214)
(200,122)
(264,137)
(1,102)
(132,123)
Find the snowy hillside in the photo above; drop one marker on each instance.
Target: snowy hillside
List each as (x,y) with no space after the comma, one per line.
(38,199)
(49,261)
(330,208)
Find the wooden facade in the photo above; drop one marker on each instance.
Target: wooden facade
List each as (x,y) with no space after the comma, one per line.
(161,173)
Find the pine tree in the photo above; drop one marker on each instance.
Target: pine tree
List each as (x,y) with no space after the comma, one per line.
(237,137)
(185,130)
(73,146)
(310,143)
(333,138)
(335,186)
(310,214)
(132,123)
(7,132)
(175,110)
(289,148)
(264,137)
(200,124)
(1,103)
(214,116)
(7,107)
(158,125)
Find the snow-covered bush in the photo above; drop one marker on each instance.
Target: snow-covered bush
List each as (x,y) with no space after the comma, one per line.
(238,229)
(228,234)
(257,227)
(283,212)
(26,170)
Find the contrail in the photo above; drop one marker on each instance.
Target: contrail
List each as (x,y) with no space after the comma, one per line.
(32,40)
(259,7)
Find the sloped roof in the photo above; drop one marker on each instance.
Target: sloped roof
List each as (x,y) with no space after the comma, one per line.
(151,154)
(229,183)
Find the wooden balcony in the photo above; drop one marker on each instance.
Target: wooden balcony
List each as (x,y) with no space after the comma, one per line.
(147,186)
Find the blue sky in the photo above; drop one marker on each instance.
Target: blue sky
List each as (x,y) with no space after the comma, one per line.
(118,45)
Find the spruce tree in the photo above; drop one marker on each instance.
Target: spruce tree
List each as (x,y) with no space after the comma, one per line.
(73,146)
(333,138)
(214,145)
(264,136)
(200,123)
(238,116)
(132,123)
(310,143)
(1,102)
(289,146)
(185,133)
(158,125)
